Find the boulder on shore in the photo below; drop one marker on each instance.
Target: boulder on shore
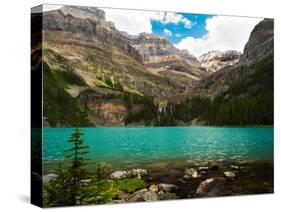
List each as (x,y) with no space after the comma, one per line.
(117,175)
(167,187)
(138,195)
(212,187)
(154,188)
(150,196)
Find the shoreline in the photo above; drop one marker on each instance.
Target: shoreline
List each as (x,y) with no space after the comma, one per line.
(143,126)
(50,166)
(194,179)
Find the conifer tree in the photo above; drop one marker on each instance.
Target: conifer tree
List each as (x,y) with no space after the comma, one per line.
(76,170)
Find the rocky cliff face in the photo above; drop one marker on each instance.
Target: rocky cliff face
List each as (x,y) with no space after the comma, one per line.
(216,60)
(158,53)
(260,43)
(252,73)
(89,21)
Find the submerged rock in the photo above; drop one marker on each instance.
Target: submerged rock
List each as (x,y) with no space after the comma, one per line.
(214,167)
(192,173)
(212,187)
(234,167)
(47,178)
(203,169)
(167,187)
(229,174)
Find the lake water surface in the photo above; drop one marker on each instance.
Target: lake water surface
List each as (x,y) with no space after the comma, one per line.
(146,144)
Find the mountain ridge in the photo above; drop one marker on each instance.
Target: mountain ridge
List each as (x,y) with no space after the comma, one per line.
(116,78)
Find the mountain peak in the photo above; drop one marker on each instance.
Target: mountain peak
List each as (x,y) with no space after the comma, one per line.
(83,12)
(260,41)
(215,60)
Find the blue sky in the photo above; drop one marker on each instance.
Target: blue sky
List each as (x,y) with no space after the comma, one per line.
(179,31)
(197,33)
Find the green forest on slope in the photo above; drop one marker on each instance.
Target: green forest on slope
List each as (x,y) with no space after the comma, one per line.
(249,100)
(250,103)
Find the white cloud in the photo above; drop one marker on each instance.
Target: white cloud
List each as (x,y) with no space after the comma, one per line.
(178,35)
(167,32)
(224,33)
(133,21)
(175,18)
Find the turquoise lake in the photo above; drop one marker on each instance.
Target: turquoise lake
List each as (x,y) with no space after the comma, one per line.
(144,144)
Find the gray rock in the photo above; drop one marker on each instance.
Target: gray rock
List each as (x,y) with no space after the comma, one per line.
(161,192)
(234,167)
(167,187)
(212,187)
(167,196)
(125,174)
(193,173)
(150,196)
(118,175)
(203,169)
(139,172)
(138,195)
(229,174)
(216,60)
(154,188)
(122,195)
(47,178)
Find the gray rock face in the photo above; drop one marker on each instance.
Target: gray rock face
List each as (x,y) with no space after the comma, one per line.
(158,53)
(148,49)
(260,42)
(89,21)
(212,187)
